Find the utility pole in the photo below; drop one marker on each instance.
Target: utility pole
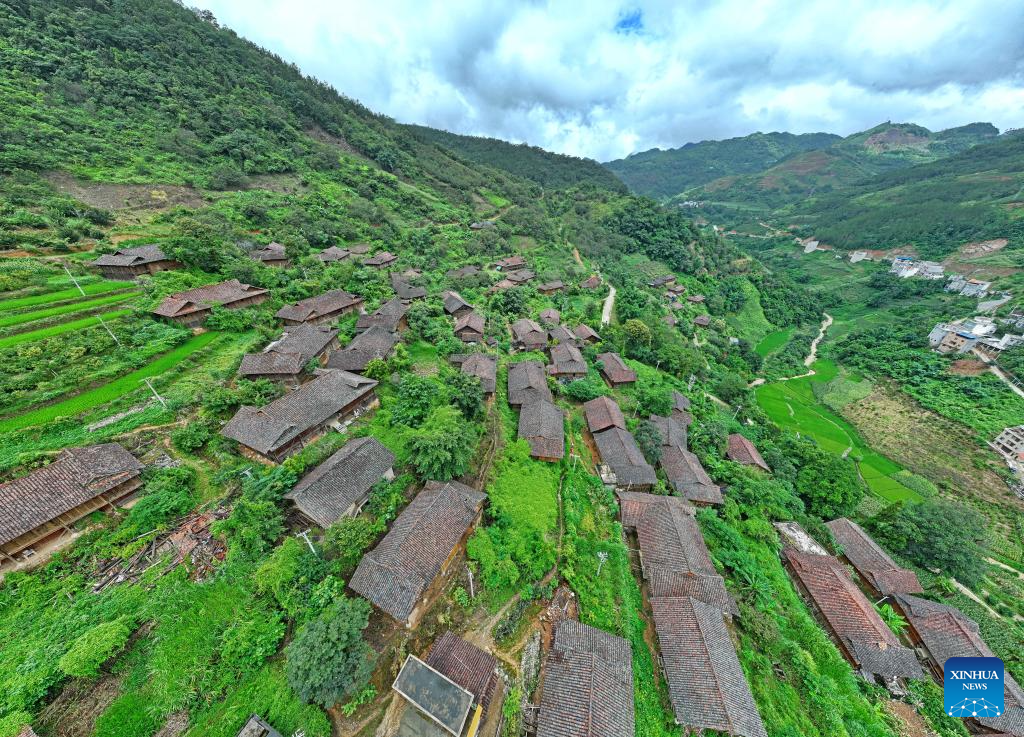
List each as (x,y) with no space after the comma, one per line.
(73,278)
(100,318)
(601,558)
(737,411)
(689,386)
(305,536)
(472,593)
(156,393)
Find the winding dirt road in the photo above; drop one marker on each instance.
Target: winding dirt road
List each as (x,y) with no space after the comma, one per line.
(809,359)
(609,305)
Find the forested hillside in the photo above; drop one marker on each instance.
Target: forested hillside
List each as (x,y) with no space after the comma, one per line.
(665,173)
(529,162)
(213,595)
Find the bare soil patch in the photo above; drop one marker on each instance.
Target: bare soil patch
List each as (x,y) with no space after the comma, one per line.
(910,722)
(967,367)
(74,712)
(126,196)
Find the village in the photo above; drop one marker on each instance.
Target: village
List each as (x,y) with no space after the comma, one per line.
(583,675)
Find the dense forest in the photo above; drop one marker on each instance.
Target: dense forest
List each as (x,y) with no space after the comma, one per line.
(548,169)
(665,173)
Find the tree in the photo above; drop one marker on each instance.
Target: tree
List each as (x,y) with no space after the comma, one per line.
(329,660)
(649,439)
(416,395)
(935,533)
(653,399)
(465,393)
(637,333)
(731,388)
(347,539)
(828,484)
(442,447)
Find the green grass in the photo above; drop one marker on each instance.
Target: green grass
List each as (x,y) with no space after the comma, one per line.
(750,323)
(108,392)
(101,287)
(91,304)
(793,406)
(64,327)
(773,341)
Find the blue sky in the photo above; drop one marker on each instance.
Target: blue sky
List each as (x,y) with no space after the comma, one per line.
(605,78)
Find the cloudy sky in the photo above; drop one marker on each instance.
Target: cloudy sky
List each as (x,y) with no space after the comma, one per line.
(604,78)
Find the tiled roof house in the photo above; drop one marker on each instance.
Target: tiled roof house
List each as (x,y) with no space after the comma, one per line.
(542,425)
(277,430)
(340,486)
(527,383)
(484,367)
(285,359)
(588,685)
(375,343)
(875,567)
(603,413)
(192,307)
(567,362)
(273,254)
(454,304)
(614,369)
(129,263)
(325,307)
(741,450)
(470,326)
(390,316)
(403,573)
(50,499)
(619,451)
(527,335)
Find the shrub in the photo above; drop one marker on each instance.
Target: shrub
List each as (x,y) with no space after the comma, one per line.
(95,647)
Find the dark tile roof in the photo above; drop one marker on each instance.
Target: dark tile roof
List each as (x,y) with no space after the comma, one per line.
(660,281)
(316,307)
(527,383)
(588,685)
(377,342)
(136,256)
(673,555)
(562,334)
(193,300)
(380,259)
(948,633)
(257,727)
(510,262)
(687,476)
(696,298)
(680,402)
(329,255)
(741,450)
(851,617)
(359,248)
(871,562)
(702,320)
(566,359)
(291,353)
(394,575)
(585,332)
(633,505)
(529,333)
(485,368)
(520,277)
(615,369)
(77,476)
(342,481)
(542,425)
(672,432)
(706,684)
(551,286)
(405,290)
(453,302)
(618,450)
(471,321)
(268,428)
(387,316)
(602,413)
(467,665)
(273,252)
(550,316)
(591,282)
(463,271)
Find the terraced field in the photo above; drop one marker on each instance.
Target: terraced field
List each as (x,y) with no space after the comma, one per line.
(22,318)
(792,405)
(113,390)
(62,295)
(59,329)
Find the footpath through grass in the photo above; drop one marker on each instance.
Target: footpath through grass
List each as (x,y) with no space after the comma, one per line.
(101,287)
(108,392)
(793,405)
(91,304)
(64,327)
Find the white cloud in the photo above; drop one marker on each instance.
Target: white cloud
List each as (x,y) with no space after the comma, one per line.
(562,75)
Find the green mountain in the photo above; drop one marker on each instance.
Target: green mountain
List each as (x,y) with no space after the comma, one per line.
(862,155)
(529,162)
(664,173)
(975,195)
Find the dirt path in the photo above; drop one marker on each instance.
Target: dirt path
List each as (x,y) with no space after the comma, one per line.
(1005,567)
(609,304)
(576,255)
(974,597)
(1006,380)
(810,358)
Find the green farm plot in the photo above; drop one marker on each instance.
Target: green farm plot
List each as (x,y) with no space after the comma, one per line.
(792,405)
(64,327)
(91,304)
(773,341)
(62,295)
(108,392)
